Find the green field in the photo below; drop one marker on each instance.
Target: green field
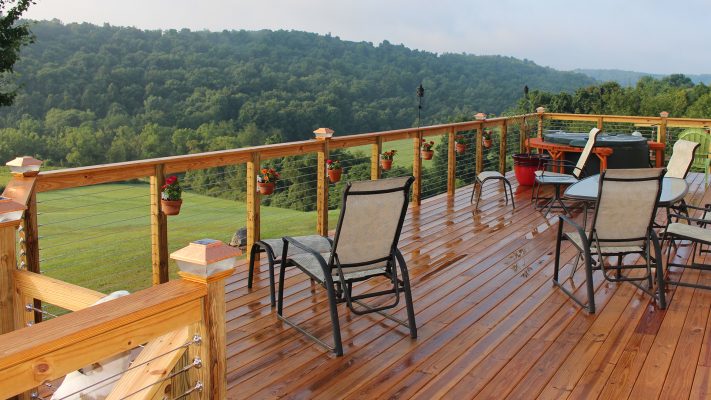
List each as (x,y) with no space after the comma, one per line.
(99,236)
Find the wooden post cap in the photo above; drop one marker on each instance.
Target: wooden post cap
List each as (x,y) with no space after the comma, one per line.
(24,166)
(206,258)
(540,110)
(664,114)
(323,133)
(480,116)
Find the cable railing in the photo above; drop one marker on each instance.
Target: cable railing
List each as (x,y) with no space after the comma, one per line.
(104,227)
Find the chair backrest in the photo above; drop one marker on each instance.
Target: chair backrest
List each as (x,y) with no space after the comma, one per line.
(585,155)
(681,159)
(372,214)
(702,153)
(626,205)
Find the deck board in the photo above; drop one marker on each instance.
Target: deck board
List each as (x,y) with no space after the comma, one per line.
(490,323)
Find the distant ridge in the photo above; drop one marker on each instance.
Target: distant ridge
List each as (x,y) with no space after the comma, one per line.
(630,78)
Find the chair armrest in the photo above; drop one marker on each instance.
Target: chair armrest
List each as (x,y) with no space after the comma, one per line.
(288,240)
(700,221)
(563,220)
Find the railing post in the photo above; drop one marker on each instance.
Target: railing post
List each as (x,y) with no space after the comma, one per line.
(417,170)
(479,149)
(253,224)
(212,351)
(523,135)
(30,246)
(451,163)
(502,147)
(159,229)
(662,134)
(375,150)
(599,122)
(322,182)
(541,112)
(11,214)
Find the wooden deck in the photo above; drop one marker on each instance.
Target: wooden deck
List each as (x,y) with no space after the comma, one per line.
(491,325)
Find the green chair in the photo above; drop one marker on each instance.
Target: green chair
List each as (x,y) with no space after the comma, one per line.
(701,159)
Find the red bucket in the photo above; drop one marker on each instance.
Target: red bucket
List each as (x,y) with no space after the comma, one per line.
(526,165)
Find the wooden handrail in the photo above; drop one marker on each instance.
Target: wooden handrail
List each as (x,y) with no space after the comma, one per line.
(53,291)
(47,351)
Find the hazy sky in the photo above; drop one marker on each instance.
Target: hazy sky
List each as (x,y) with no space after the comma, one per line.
(641,35)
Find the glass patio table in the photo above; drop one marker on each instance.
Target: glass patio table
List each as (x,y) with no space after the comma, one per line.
(673,190)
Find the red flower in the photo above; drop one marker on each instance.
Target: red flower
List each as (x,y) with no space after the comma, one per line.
(171,180)
(329,161)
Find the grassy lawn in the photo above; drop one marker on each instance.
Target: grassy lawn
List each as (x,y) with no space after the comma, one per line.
(99,236)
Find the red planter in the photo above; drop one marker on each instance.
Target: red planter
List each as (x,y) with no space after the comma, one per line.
(265,188)
(487,143)
(386,164)
(427,154)
(334,175)
(171,207)
(525,167)
(460,148)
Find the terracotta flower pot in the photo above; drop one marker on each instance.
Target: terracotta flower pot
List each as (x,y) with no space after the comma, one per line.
(334,175)
(460,148)
(427,154)
(171,207)
(386,164)
(487,143)
(265,188)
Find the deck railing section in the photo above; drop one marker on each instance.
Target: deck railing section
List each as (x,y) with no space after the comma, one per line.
(184,316)
(21,241)
(508,134)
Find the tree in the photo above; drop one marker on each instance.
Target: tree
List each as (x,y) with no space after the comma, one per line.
(12,37)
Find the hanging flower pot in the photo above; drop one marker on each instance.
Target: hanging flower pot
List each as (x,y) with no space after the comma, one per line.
(386,159)
(171,207)
(171,196)
(334,170)
(266,181)
(486,139)
(460,148)
(426,149)
(334,175)
(487,143)
(265,188)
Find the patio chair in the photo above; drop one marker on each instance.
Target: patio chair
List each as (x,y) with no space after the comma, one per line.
(679,164)
(622,224)
(559,179)
(701,159)
(697,234)
(364,247)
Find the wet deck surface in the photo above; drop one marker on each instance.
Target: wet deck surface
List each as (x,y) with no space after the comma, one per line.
(491,325)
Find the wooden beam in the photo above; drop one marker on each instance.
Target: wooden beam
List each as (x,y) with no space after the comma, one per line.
(322,190)
(417,170)
(451,163)
(375,150)
(502,147)
(479,148)
(253,223)
(8,265)
(159,229)
(47,351)
(540,126)
(662,137)
(523,135)
(157,367)
(30,246)
(53,291)
(599,122)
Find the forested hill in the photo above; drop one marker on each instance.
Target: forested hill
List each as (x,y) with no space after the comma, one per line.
(89,92)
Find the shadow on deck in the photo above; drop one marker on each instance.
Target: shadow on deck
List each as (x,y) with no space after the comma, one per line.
(491,324)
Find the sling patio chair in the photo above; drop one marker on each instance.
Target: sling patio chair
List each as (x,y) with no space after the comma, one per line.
(622,224)
(557,179)
(679,164)
(701,162)
(696,231)
(364,247)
